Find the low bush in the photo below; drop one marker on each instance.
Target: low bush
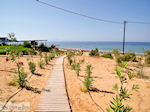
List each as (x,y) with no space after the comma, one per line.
(27,44)
(126,57)
(70,54)
(94,52)
(116,52)
(32,67)
(79,53)
(108,55)
(129,57)
(43,48)
(147,57)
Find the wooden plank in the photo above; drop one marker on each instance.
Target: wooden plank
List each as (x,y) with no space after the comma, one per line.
(56,99)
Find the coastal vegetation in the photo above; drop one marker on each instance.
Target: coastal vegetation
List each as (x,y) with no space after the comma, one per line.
(118,92)
(107,55)
(118,103)
(147,57)
(94,52)
(93,77)
(17,72)
(32,67)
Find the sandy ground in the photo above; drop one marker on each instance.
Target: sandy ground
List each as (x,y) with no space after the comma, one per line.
(104,79)
(7,74)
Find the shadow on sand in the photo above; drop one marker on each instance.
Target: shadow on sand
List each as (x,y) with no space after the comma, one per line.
(38,74)
(102,91)
(35,90)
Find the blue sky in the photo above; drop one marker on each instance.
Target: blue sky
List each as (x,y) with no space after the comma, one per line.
(30,20)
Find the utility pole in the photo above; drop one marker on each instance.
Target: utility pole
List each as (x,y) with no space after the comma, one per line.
(124,34)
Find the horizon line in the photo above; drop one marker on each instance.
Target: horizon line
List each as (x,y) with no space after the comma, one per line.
(92,41)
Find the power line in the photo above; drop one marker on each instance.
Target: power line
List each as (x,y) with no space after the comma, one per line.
(90,17)
(138,22)
(79,14)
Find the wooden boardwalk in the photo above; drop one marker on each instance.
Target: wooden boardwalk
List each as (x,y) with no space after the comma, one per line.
(56,99)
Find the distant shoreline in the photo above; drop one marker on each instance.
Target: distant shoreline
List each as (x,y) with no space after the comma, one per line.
(88,50)
(103,41)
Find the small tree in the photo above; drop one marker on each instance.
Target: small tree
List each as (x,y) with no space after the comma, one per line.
(88,70)
(87,83)
(12,37)
(32,67)
(21,78)
(46,58)
(88,79)
(78,68)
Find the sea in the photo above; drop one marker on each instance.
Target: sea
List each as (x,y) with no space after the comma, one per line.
(137,47)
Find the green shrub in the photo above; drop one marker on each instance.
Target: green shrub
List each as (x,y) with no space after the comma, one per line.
(78,68)
(118,106)
(27,44)
(32,67)
(70,61)
(126,57)
(70,54)
(94,52)
(21,78)
(79,53)
(88,70)
(87,82)
(116,52)
(123,64)
(129,57)
(147,57)
(108,55)
(43,48)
